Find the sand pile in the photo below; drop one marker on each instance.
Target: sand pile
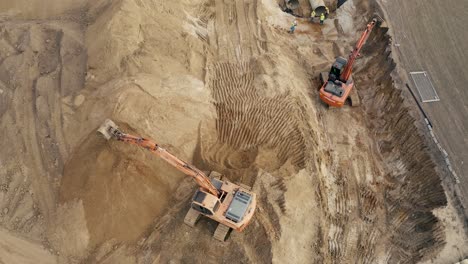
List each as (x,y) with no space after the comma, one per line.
(60,78)
(125,188)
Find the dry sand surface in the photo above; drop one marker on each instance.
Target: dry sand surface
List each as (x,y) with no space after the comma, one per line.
(223,85)
(19,250)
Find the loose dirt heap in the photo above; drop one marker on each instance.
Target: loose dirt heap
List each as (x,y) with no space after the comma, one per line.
(220,84)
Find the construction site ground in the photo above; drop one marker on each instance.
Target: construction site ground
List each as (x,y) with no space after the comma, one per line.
(223,85)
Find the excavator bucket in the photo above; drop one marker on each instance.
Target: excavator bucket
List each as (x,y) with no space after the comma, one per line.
(380,21)
(106,127)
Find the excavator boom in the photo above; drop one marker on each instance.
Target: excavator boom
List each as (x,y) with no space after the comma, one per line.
(231,205)
(355,53)
(110,130)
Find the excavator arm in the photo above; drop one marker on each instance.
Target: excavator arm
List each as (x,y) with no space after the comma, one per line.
(355,53)
(110,130)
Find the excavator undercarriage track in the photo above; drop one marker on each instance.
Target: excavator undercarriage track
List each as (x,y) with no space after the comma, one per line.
(191,217)
(221,232)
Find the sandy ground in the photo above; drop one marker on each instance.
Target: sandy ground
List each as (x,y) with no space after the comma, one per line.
(223,85)
(18,250)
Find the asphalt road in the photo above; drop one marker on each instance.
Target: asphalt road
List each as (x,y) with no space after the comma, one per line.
(433,37)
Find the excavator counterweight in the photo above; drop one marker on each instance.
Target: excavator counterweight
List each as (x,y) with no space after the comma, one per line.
(231,205)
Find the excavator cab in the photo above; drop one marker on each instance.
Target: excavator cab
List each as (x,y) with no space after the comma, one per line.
(337,69)
(205,203)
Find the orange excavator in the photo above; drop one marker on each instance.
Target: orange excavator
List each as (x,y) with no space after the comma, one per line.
(338,83)
(231,205)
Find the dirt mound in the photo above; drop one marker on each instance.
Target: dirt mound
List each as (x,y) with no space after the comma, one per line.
(128,188)
(122,188)
(53,97)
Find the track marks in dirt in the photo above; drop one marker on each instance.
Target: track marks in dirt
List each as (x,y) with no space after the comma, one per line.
(18,209)
(237,34)
(272,203)
(250,124)
(368,202)
(352,206)
(32,76)
(338,215)
(254,131)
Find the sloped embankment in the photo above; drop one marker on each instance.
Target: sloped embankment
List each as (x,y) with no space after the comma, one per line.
(412,185)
